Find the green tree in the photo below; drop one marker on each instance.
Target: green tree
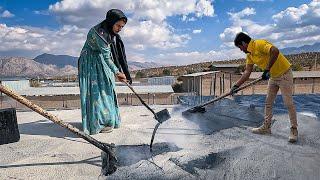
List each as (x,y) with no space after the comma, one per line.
(297,67)
(177,87)
(140,74)
(166,72)
(257,69)
(213,68)
(240,68)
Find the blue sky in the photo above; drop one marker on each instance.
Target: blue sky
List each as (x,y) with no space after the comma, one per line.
(166,32)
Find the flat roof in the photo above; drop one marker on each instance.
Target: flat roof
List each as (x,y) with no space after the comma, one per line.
(296,74)
(226,65)
(200,74)
(53,91)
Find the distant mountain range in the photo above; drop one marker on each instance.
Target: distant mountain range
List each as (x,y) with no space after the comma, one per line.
(63,60)
(58,60)
(23,67)
(297,50)
(56,65)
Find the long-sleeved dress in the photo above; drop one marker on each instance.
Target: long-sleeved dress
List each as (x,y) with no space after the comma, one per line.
(99,105)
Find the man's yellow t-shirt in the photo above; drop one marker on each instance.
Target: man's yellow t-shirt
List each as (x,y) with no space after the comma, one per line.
(259,54)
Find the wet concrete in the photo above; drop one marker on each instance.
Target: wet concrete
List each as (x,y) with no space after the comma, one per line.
(217,144)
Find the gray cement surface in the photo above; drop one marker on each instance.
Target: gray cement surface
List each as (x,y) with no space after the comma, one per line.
(217,144)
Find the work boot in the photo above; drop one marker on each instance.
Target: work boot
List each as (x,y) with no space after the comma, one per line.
(106,129)
(293,135)
(264,129)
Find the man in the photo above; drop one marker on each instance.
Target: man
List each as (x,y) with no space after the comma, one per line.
(278,69)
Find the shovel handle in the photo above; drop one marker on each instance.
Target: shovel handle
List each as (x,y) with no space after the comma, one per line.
(229,93)
(141,100)
(104,147)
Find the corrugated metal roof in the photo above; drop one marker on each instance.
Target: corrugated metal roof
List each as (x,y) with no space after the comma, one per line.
(53,91)
(296,74)
(200,74)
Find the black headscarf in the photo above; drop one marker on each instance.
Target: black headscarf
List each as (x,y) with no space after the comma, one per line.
(117,47)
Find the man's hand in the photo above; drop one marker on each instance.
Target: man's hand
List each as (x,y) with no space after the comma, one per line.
(233,90)
(266,75)
(121,77)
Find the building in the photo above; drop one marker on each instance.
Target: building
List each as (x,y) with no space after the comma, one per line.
(15,83)
(305,82)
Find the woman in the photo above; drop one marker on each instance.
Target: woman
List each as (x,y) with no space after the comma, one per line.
(102,58)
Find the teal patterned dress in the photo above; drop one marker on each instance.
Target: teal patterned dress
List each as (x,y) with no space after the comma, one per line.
(99,105)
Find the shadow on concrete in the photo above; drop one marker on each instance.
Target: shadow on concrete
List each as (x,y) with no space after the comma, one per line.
(131,154)
(46,127)
(95,161)
(225,114)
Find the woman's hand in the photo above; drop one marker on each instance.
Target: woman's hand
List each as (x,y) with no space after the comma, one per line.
(121,77)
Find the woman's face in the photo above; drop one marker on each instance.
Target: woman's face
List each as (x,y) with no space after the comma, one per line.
(116,28)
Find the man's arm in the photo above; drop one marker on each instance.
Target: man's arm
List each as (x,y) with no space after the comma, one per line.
(245,76)
(274,53)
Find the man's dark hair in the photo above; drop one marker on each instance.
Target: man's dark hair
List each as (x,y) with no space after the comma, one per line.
(241,37)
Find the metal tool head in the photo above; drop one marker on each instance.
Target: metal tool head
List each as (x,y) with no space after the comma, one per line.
(195,110)
(162,115)
(109,161)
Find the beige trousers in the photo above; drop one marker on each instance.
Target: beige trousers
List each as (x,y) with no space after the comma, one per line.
(285,83)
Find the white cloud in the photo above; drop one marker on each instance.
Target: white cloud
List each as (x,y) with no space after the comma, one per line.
(146,29)
(44,12)
(67,40)
(229,33)
(79,12)
(294,26)
(245,12)
(188,19)
(196,31)
(180,58)
(6,14)
(152,35)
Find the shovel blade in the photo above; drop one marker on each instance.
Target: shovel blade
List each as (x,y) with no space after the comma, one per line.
(162,115)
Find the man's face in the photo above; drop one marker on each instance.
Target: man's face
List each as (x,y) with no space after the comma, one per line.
(116,28)
(243,47)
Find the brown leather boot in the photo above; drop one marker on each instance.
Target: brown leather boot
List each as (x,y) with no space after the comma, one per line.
(293,137)
(264,129)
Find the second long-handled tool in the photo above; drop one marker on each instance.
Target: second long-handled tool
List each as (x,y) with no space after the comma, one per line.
(200,108)
(108,156)
(160,116)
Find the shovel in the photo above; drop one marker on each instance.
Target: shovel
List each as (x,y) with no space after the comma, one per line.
(160,116)
(200,108)
(109,159)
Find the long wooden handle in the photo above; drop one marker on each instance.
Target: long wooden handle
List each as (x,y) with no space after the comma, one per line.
(103,146)
(227,94)
(141,100)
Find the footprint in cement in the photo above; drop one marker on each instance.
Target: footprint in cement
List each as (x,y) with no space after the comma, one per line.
(131,154)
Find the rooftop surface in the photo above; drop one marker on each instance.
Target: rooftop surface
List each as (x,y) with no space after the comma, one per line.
(217,144)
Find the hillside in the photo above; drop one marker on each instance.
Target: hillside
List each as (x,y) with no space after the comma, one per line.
(58,60)
(64,60)
(302,49)
(23,67)
(305,60)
